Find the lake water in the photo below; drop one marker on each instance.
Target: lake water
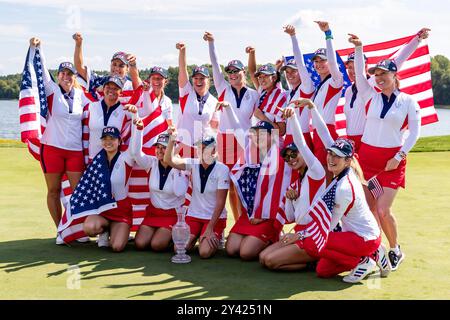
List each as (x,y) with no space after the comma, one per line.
(9,122)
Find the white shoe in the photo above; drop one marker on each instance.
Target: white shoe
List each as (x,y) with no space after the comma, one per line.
(365,267)
(59,240)
(84,240)
(103,240)
(382,260)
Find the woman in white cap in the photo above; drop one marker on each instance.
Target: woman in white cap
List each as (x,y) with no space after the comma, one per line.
(206,215)
(112,225)
(238,104)
(355,107)
(61,143)
(168,187)
(301,86)
(198,107)
(327,94)
(383,149)
(358,247)
(121,64)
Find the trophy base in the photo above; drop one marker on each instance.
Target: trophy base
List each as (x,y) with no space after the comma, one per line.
(181,258)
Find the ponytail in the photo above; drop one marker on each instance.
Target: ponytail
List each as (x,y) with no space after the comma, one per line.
(354,164)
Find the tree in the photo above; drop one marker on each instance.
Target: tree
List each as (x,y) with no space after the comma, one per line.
(440,76)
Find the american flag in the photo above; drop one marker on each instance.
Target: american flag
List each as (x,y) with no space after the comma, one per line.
(375,187)
(247,184)
(91,196)
(33,109)
(321,212)
(415,75)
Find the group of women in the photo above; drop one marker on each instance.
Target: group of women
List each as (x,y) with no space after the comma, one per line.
(93,118)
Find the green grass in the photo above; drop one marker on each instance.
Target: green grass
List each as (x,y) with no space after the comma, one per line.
(33,267)
(432,144)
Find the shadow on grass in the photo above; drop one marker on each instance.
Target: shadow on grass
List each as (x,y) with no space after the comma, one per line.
(220,277)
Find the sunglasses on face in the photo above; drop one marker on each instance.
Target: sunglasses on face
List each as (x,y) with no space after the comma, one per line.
(233,71)
(290,156)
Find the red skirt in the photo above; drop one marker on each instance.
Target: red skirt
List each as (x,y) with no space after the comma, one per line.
(267,231)
(319,149)
(373,161)
(198,226)
(306,244)
(160,218)
(123,212)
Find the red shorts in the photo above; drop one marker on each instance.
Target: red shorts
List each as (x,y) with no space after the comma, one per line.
(229,149)
(308,139)
(123,212)
(357,141)
(57,160)
(373,161)
(306,244)
(198,226)
(319,149)
(160,218)
(266,231)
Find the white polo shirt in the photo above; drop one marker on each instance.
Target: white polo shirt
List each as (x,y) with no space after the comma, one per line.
(120,175)
(193,123)
(203,204)
(64,122)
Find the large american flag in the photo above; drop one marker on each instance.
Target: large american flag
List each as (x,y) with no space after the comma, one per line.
(415,75)
(33,109)
(91,196)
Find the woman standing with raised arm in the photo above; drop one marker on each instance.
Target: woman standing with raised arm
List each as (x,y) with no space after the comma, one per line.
(327,94)
(355,108)
(168,187)
(198,107)
(301,87)
(61,143)
(383,151)
(206,215)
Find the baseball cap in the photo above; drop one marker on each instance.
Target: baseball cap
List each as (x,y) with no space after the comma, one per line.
(206,141)
(263,125)
(110,131)
(266,69)
(234,64)
(122,56)
(321,53)
(290,64)
(118,81)
(290,146)
(163,139)
(67,65)
(200,70)
(386,64)
(343,148)
(159,70)
(351,57)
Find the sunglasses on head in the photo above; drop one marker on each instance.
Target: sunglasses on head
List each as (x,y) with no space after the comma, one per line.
(291,155)
(233,71)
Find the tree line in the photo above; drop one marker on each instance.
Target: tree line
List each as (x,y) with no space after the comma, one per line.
(440,75)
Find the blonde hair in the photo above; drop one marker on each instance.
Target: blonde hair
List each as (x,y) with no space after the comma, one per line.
(354,164)
(76,84)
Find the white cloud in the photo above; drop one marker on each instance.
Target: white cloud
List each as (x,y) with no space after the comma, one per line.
(13,30)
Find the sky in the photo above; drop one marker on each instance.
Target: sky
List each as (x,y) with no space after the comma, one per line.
(150,29)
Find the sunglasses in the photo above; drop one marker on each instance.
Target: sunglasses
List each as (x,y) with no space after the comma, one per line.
(291,155)
(233,71)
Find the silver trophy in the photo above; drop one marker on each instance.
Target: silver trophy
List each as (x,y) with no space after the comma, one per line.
(180,236)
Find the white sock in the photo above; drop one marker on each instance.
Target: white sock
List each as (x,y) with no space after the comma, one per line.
(396,250)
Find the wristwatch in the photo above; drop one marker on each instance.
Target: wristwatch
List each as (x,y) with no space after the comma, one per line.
(400,156)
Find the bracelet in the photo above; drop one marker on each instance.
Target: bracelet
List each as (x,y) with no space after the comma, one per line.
(328,35)
(400,156)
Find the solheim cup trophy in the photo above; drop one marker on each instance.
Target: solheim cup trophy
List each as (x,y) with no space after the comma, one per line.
(180,236)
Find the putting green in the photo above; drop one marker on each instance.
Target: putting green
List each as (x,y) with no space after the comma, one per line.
(33,267)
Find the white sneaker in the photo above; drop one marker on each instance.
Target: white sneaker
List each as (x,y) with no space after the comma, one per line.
(84,240)
(382,260)
(59,240)
(365,267)
(103,240)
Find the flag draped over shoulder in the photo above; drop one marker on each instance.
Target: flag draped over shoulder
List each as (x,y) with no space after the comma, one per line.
(415,75)
(261,187)
(91,196)
(33,110)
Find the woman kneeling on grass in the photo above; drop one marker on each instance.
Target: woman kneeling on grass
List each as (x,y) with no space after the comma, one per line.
(206,215)
(118,220)
(168,187)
